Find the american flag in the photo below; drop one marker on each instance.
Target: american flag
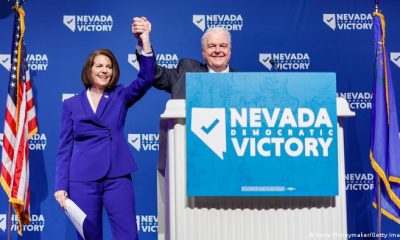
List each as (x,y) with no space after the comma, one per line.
(20,124)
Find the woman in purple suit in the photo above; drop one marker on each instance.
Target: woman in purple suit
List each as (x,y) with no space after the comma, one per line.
(93,160)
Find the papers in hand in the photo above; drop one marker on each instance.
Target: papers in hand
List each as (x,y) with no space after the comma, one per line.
(76,215)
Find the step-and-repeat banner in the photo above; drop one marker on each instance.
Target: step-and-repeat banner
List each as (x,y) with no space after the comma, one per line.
(300,36)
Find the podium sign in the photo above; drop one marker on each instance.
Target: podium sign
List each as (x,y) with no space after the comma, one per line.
(261,134)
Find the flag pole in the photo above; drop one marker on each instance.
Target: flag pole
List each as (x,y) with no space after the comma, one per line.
(9,222)
(9,218)
(379,220)
(9,203)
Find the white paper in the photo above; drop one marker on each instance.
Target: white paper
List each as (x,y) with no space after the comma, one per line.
(76,215)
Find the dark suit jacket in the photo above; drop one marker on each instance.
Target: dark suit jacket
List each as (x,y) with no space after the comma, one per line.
(92,145)
(174,80)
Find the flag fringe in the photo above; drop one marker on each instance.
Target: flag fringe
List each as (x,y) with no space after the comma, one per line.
(387,214)
(385,179)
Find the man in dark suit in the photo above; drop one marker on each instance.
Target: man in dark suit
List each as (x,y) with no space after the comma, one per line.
(216,50)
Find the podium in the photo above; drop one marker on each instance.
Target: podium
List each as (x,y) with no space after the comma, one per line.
(240,218)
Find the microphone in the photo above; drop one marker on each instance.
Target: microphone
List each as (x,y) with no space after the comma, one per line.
(273,64)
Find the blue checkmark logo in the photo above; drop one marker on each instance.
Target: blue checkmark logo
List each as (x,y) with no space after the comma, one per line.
(69,21)
(395,58)
(132,60)
(329,20)
(200,21)
(209,125)
(265,59)
(134,140)
(208,129)
(5,61)
(3,222)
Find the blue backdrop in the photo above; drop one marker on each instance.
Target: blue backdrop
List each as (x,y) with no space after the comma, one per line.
(307,36)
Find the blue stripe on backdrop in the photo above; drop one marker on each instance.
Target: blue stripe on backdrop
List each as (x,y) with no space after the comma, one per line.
(313,36)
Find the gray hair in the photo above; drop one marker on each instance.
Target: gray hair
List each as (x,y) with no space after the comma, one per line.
(216,30)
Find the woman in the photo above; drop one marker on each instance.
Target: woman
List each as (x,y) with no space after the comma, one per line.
(93,159)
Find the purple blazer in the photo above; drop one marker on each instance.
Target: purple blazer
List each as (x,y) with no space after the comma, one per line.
(92,145)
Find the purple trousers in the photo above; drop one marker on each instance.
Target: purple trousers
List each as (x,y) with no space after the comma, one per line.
(117,196)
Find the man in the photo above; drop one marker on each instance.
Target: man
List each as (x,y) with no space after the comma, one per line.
(216,50)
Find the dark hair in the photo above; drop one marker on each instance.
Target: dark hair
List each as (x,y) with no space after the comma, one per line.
(87,68)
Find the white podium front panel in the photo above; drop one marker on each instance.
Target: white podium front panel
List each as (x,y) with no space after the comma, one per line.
(239,218)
